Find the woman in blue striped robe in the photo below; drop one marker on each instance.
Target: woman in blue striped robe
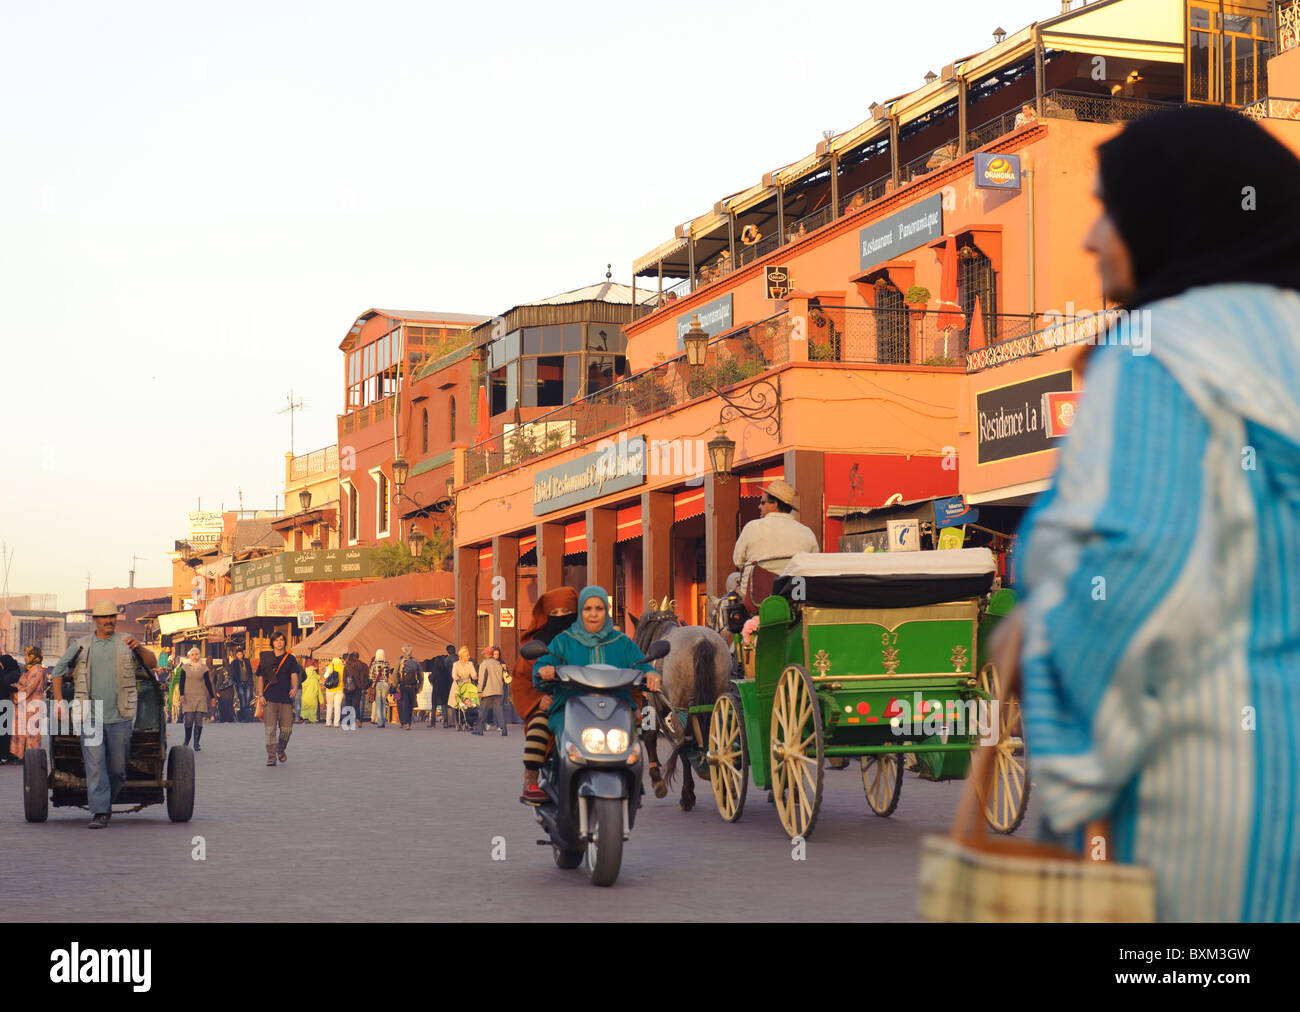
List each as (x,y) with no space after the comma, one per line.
(1160,631)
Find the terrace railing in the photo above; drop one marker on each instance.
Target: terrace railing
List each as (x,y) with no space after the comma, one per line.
(1087,329)
(1273,108)
(1075,105)
(903,336)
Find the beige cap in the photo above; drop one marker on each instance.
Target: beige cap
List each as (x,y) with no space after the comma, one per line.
(784,491)
(104,608)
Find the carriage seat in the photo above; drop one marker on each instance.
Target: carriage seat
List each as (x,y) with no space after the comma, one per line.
(886,579)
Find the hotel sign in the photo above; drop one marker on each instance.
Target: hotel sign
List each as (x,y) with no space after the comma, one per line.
(997,172)
(617,468)
(715,317)
(1011,419)
(905,230)
(302,567)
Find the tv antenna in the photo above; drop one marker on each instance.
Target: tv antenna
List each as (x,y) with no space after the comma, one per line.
(134,560)
(290,408)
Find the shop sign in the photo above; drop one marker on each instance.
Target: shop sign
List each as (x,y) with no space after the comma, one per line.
(905,230)
(172,622)
(776,279)
(283,600)
(507,618)
(715,317)
(306,620)
(996,172)
(1011,420)
(953,512)
(617,468)
(951,538)
(903,535)
(1059,409)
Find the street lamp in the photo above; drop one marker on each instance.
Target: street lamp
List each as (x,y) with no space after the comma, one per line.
(722,451)
(416,540)
(304,499)
(696,342)
(401,471)
(316,544)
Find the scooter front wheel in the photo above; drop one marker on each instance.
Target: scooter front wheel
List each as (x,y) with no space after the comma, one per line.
(567,859)
(605,846)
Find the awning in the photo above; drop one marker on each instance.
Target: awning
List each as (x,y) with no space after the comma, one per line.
(664,251)
(752,485)
(213,570)
(575,538)
(1148,50)
(485,558)
(628,523)
(279,600)
(527,544)
(1128,29)
(1008,494)
(688,504)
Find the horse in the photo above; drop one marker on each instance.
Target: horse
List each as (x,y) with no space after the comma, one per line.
(697,670)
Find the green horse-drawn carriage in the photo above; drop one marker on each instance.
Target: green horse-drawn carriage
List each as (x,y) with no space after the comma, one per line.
(873,656)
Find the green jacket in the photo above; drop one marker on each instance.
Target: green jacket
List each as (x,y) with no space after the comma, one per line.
(620,651)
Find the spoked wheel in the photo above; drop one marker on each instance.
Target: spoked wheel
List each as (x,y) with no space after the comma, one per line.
(728,759)
(605,848)
(798,754)
(882,780)
(1004,808)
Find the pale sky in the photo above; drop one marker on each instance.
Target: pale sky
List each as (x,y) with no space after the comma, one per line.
(196,202)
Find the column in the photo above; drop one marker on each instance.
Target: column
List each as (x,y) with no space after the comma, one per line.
(602,528)
(656,547)
(805,470)
(721,510)
(466,572)
(505,567)
(550,557)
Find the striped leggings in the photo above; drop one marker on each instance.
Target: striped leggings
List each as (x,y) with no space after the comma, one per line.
(537,736)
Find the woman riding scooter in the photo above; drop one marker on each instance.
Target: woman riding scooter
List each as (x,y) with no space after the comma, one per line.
(591,640)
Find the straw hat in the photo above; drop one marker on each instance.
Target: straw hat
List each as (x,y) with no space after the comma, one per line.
(783,491)
(104,608)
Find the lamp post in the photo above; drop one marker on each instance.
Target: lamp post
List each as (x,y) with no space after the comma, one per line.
(722,451)
(696,341)
(304,499)
(416,540)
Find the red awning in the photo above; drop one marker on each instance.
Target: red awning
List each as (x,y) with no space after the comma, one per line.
(485,558)
(575,538)
(752,485)
(688,504)
(628,523)
(527,544)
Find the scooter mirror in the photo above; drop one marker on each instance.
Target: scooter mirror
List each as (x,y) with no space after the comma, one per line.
(533,649)
(658,649)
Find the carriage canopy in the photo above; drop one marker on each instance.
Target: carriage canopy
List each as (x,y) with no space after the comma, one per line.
(886,579)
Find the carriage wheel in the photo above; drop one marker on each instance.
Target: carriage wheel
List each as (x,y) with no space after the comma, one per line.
(728,759)
(798,754)
(882,780)
(1004,808)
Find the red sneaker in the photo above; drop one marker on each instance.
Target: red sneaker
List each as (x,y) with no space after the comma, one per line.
(533,795)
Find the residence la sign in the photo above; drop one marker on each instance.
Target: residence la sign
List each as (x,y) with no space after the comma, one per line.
(618,467)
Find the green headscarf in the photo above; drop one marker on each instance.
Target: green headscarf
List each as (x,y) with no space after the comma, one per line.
(602,635)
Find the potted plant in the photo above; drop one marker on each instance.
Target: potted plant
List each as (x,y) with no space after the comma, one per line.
(917,296)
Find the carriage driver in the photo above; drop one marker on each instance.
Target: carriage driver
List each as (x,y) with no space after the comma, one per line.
(773,538)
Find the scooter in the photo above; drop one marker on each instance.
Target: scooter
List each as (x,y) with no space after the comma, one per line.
(591,803)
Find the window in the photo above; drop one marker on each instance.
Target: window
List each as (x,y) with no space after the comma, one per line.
(381,503)
(451,420)
(424,431)
(352,512)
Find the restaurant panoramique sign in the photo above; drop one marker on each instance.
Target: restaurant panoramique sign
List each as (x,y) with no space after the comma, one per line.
(616,468)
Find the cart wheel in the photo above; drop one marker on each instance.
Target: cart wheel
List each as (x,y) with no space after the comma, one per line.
(180,795)
(798,755)
(1004,809)
(567,859)
(882,779)
(728,758)
(36,786)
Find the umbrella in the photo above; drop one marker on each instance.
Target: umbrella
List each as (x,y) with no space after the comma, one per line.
(484,426)
(950,314)
(976,327)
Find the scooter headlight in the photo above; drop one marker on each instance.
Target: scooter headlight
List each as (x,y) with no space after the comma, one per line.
(593,740)
(616,739)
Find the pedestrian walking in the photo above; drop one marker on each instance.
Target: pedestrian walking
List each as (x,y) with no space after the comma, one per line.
(491,689)
(409,677)
(313,693)
(195,693)
(29,705)
(333,692)
(276,683)
(104,667)
(356,680)
(461,671)
(1133,700)
(441,679)
(379,698)
(225,696)
(241,673)
(381,670)
(508,699)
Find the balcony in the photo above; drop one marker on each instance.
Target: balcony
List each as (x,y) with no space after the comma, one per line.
(308,465)
(839,334)
(1082,330)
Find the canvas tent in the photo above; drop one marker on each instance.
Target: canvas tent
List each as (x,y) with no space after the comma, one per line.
(323,633)
(375,626)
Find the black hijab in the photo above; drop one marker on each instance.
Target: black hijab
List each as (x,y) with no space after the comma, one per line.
(1173,184)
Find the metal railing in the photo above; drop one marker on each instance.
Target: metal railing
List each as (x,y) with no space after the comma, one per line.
(936,158)
(1273,108)
(901,336)
(320,461)
(1084,329)
(857,199)
(1089,108)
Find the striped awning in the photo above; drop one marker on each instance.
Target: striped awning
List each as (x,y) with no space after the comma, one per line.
(485,558)
(575,538)
(628,523)
(527,544)
(689,503)
(279,600)
(752,485)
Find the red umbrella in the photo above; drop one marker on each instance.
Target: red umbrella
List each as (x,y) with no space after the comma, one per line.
(950,315)
(484,428)
(976,326)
